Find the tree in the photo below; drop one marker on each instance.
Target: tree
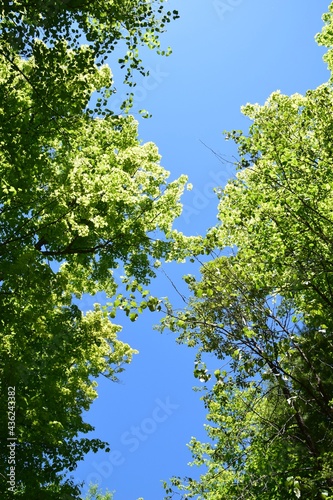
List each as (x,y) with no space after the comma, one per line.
(80,197)
(102,25)
(269,414)
(264,308)
(95,494)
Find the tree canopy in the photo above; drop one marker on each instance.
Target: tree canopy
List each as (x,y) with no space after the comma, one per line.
(102,25)
(263,307)
(81,196)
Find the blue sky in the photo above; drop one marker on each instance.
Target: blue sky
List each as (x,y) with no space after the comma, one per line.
(225,54)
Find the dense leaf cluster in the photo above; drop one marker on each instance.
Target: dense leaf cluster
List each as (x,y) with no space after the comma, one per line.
(80,196)
(102,25)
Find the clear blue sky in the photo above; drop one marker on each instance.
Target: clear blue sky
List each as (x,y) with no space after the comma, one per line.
(225,53)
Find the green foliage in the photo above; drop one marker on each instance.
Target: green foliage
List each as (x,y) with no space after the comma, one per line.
(102,25)
(95,494)
(80,197)
(325,38)
(264,309)
(84,188)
